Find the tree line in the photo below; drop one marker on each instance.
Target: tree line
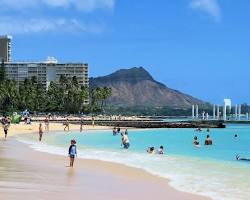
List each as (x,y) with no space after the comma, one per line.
(64,96)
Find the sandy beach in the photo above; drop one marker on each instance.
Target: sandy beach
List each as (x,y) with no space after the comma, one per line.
(16,129)
(32,175)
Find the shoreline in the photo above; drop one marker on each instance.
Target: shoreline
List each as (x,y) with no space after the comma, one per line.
(110,169)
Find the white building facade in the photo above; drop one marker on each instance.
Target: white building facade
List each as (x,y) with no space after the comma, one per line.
(47,71)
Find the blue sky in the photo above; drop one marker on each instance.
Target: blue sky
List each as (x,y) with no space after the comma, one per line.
(200,47)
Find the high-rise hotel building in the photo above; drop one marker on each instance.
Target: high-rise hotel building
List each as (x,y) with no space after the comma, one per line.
(5,48)
(46,71)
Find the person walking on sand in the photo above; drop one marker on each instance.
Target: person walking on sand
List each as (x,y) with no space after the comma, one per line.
(81,124)
(66,124)
(93,122)
(5,128)
(72,152)
(40,131)
(46,121)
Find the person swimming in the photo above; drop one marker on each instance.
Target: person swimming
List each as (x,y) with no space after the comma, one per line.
(208,141)
(151,150)
(241,159)
(196,142)
(198,129)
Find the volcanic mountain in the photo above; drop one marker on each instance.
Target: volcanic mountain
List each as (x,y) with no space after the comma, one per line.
(136,87)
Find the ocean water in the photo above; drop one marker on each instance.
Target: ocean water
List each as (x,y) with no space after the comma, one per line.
(211,171)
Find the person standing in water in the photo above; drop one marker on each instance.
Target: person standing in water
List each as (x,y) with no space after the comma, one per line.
(160,150)
(72,152)
(114,131)
(40,131)
(118,129)
(125,140)
(196,142)
(208,141)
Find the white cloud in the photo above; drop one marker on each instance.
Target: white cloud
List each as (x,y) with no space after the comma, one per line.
(31,16)
(89,5)
(10,25)
(83,5)
(211,7)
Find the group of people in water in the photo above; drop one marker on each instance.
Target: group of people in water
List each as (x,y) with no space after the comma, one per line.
(124,137)
(151,150)
(125,141)
(208,140)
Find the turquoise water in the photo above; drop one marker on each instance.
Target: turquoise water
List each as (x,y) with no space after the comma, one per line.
(212,171)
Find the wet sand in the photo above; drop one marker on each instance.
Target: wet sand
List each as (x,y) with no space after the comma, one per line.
(32,175)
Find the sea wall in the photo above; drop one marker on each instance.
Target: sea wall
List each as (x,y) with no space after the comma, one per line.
(150,123)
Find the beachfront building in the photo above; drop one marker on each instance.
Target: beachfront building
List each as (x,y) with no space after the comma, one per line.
(5,48)
(47,71)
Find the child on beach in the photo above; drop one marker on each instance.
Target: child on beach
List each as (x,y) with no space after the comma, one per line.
(40,131)
(72,152)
